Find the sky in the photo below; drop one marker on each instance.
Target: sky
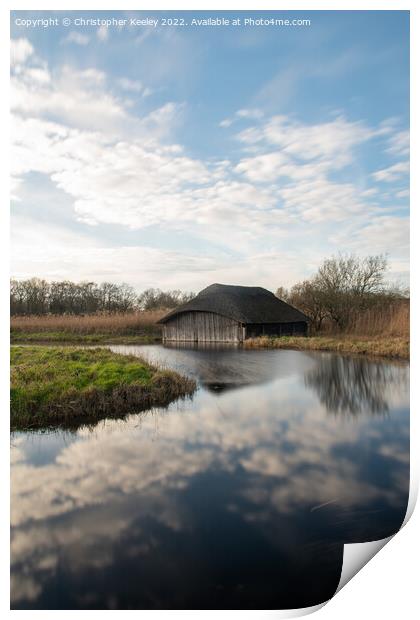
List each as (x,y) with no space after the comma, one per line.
(176,156)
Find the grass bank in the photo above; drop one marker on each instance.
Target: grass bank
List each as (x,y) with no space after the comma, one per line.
(65,337)
(67,386)
(391,347)
(119,328)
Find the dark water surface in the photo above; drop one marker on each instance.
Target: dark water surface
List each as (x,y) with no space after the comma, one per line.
(239,498)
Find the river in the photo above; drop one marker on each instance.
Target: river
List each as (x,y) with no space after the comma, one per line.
(241,497)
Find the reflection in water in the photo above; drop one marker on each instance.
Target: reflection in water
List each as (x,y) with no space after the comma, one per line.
(352,385)
(238,499)
(222,366)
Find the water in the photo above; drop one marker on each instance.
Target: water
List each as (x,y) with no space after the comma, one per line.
(239,498)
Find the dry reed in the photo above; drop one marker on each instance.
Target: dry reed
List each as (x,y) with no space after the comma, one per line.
(391,320)
(112,324)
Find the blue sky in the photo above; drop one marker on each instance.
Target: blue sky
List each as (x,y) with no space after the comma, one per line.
(180,156)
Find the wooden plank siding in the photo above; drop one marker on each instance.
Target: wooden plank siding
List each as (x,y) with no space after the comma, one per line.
(202,327)
(211,327)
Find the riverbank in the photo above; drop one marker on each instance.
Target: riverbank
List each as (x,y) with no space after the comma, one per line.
(391,341)
(70,338)
(117,328)
(66,386)
(390,347)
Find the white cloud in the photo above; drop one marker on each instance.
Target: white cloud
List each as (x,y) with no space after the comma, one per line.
(386,234)
(300,159)
(399,143)
(392,173)
(371,191)
(69,98)
(252,113)
(245,113)
(331,142)
(320,200)
(262,168)
(125,169)
(37,75)
(131,85)
(102,33)
(76,37)
(80,99)
(20,50)
(121,182)
(79,257)
(57,253)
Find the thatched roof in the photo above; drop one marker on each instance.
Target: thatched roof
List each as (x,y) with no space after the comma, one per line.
(245,304)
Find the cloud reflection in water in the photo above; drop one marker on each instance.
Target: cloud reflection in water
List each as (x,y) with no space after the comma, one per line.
(238,499)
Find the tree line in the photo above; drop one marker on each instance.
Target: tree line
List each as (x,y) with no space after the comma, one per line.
(37,296)
(342,287)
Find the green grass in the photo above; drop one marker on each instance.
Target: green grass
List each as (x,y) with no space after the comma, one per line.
(68,386)
(378,346)
(67,337)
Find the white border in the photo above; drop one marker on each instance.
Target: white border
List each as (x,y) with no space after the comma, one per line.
(388,585)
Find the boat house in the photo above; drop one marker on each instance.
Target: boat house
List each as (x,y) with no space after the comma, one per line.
(224,313)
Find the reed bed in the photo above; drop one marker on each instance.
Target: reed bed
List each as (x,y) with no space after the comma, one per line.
(377,331)
(140,326)
(120,323)
(393,320)
(391,347)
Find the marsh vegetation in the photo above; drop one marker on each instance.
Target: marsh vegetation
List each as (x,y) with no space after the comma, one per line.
(114,328)
(350,305)
(66,385)
(391,347)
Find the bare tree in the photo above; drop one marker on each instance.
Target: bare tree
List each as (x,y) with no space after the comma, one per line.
(34,295)
(154,298)
(126,298)
(308,297)
(350,283)
(282,293)
(342,286)
(37,296)
(17,297)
